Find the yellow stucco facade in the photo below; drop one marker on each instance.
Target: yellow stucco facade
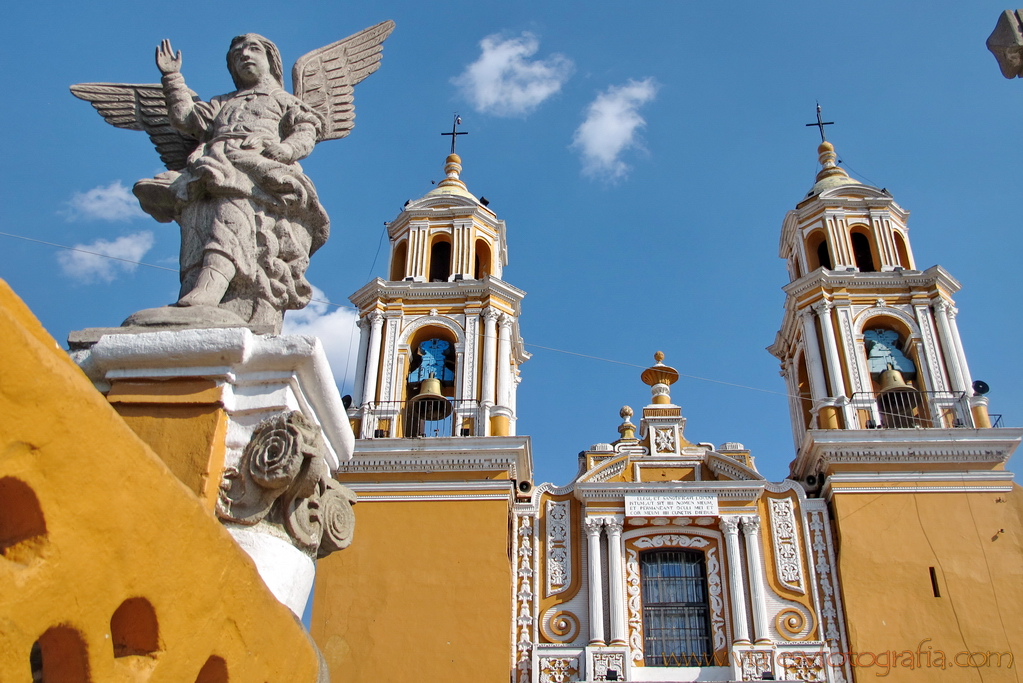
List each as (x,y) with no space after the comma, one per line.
(109,562)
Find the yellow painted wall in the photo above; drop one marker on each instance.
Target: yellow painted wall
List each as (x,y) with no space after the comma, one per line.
(118,525)
(424,594)
(888,542)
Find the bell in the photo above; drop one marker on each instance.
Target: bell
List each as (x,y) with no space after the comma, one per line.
(430,404)
(891,380)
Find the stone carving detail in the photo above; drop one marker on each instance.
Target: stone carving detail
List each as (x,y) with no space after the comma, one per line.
(792,623)
(829,611)
(787,559)
(524,602)
(664,440)
(754,663)
(803,666)
(282,482)
(633,584)
(559,547)
(604,662)
(560,626)
(558,669)
(249,216)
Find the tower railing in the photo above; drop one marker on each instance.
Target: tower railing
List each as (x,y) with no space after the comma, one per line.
(911,409)
(421,419)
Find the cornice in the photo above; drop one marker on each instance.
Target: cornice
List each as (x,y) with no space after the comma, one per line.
(900,280)
(724,490)
(461,290)
(443,454)
(824,448)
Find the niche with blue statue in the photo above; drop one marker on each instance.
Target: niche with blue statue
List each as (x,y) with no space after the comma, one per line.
(883,352)
(436,358)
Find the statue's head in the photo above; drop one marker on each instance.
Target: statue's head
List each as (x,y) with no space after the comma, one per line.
(252,56)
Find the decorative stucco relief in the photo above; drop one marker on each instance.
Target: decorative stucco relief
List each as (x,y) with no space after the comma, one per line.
(788,560)
(559,547)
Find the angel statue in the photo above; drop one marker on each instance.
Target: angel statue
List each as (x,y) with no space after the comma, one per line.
(249,217)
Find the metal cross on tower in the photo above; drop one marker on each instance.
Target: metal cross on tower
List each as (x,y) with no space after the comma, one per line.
(821,123)
(455,132)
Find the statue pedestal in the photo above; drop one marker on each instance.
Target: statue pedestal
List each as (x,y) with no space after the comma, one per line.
(252,424)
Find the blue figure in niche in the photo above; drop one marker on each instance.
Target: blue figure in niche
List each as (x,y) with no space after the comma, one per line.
(433,357)
(883,351)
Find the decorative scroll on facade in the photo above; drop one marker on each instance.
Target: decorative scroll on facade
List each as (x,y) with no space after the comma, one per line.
(633,584)
(282,481)
(559,547)
(524,601)
(788,560)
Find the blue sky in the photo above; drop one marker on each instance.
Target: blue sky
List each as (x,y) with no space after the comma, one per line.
(643,165)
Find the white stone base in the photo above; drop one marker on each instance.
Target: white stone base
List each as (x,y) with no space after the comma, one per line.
(286,570)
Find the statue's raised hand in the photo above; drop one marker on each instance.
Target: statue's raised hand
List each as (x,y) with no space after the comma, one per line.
(166,61)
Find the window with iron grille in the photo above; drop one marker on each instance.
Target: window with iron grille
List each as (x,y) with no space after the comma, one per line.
(676,616)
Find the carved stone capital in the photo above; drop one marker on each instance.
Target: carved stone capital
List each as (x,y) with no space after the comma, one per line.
(506,321)
(613,526)
(376,318)
(490,314)
(822,307)
(282,483)
(592,525)
(729,526)
(750,525)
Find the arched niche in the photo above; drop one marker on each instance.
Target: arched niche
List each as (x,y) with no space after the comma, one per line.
(134,629)
(903,336)
(483,259)
(213,671)
(902,250)
(440,259)
(864,248)
(399,259)
(435,346)
(818,254)
(60,656)
(22,525)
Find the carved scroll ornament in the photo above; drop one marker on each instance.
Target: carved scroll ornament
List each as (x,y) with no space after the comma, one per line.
(282,481)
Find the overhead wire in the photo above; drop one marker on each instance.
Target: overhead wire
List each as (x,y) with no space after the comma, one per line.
(352,330)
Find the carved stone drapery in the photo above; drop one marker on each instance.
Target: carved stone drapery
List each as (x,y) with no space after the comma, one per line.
(559,548)
(787,557)
(282,483)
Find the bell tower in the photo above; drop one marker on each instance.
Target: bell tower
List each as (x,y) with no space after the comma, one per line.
(892,434)
(444,314)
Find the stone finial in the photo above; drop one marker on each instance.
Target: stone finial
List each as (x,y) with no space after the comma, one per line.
(1006,43)
(659,377)
(626,428)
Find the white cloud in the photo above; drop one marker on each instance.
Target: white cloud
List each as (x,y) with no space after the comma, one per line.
(611,127)
(336,328)
(115,202)
(503,82)
(89,267)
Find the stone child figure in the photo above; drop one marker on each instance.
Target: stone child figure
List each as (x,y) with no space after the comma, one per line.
(249,217)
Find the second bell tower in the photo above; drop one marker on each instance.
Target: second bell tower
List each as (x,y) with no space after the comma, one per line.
(444,314)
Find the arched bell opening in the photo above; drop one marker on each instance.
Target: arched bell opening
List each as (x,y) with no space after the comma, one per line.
(892,364)
(430,384)
(902,250)
(399,258)
(483,260)
(864,251)
(817,252)
(440,259)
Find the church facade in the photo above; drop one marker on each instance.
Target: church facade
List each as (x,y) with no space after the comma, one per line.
(893,549)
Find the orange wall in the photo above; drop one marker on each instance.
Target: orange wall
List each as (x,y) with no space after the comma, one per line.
(888,542)
(424,594)
(116,524)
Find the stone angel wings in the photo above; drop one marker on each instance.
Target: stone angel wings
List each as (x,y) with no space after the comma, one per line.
(324,79)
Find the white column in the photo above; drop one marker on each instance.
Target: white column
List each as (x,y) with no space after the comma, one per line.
(758,599)
(616,578)
(823,309)
(736,589)
(504,360)
(360,360)
(376,320)
(592,526)
(489,356)
(818,388)
(964,368)
(948,346)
